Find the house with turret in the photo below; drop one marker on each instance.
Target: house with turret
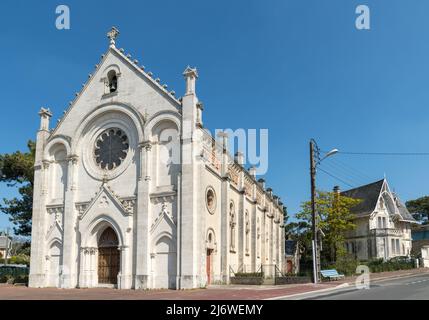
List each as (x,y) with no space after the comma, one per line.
(383,223)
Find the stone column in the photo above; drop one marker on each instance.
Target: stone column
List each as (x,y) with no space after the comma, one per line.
(124,276)
(241,230)
(143,218)
(190,242)
(263,243)
(70,250)
(253,236)
(226,239)
(178,232)
(82,269)
(86,272)
(93,265)
(282,247)
(37,276)
(271,232)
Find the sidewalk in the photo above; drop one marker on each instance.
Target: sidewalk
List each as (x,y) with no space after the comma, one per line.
(350,281)
(212,293)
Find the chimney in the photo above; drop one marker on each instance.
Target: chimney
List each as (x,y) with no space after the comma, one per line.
(261,182)
(270,192)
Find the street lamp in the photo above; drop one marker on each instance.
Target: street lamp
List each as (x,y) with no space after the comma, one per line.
(314,162)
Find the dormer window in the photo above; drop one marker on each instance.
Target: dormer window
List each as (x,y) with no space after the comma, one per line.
(112,79)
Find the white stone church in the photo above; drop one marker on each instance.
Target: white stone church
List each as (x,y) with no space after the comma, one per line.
(130,191)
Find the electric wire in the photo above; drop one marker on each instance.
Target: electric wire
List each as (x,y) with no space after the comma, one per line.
(335,177)
(344,174)
(385,153)
(345,177)
(357,172)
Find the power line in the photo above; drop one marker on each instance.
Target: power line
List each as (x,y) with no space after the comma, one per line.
(356,172)
(386,153)
(335,177)
(341,174)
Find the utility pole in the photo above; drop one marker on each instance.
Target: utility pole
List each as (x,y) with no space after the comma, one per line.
(315,160)
(313,212)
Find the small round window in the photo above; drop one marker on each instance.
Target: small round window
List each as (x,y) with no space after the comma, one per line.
(211,200)
(111,149)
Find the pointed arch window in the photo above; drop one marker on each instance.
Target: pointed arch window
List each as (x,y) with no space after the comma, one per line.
(232,226)
(247,231)
(258,239)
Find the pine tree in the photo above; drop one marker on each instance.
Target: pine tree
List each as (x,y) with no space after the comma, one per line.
(17,170)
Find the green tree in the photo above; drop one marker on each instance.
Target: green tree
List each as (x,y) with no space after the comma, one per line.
(334,220)
(17,170)
(419,208)
(299,231)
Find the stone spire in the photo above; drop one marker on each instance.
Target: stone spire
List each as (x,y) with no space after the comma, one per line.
(113,35)
(190,74)
(45,116)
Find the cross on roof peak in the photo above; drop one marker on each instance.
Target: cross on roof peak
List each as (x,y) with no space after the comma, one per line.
(113,35)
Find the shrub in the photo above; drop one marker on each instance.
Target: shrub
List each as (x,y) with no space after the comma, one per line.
(346,265)
(7,278)
(19,259)
(307,273)
(10,272)
(249,275)
(21,279)
(394,264)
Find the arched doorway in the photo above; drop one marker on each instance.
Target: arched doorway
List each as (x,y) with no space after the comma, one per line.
(209,269)
(210,249)
(108,257)
(54,264)
(165,264)
(289,266)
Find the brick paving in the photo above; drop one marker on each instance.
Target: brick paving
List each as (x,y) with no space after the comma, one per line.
(212,293)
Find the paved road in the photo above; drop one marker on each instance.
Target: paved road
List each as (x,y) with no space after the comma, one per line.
(405,288)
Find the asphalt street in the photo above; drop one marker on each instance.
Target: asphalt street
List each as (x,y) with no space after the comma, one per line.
(405,288)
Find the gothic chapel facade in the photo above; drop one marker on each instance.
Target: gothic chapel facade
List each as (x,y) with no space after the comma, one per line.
(130,191)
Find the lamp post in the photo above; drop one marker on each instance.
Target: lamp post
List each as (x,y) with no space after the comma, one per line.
(314,162)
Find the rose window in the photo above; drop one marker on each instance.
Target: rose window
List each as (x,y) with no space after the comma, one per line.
(111,149)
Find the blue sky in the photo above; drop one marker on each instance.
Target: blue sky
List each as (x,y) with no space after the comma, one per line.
(297,67)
